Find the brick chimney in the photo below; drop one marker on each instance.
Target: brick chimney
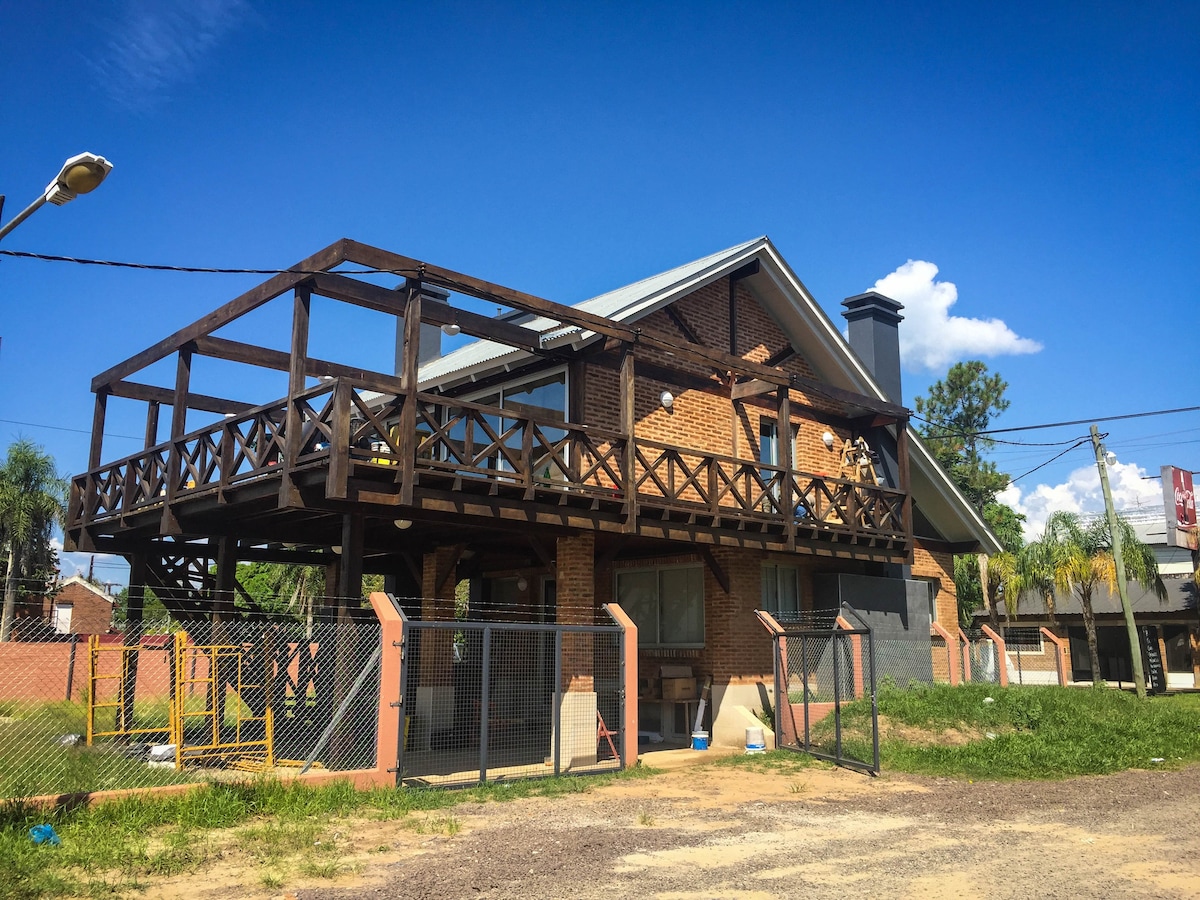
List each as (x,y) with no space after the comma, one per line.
(875,338)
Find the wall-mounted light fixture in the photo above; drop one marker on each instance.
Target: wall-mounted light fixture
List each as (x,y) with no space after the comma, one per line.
(337,549)
(667,399)
(450,329)
(403,524)
(827,440)
(522,584)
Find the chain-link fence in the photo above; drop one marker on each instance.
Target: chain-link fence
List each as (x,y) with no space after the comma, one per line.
(487,700)
(168,702)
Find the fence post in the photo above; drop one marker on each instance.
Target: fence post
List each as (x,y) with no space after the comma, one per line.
(71,666)
(858,689)
(629,681)
(1001,654)
(389,740)
(1060,654)
(781,679)
(965,645)
(950,648)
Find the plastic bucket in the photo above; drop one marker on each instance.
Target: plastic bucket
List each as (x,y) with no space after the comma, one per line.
(755,742)
(699,740)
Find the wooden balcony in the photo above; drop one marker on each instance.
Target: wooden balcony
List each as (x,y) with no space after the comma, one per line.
(349,444)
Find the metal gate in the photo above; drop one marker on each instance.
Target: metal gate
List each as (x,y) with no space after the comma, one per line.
(490,700)
(823,661)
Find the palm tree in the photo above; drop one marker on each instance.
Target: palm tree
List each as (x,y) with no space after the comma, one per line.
(1079,558)
(32,501)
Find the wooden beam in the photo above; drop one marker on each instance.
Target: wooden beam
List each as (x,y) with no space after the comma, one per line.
(715,567)
(783,430)
(755,387)
(370,296)
(289,495)
(543,554)
(682,324)
(223,315)
(750,268)
(780,356)
(628,427)
(350,573)
(248,354)
(131,390)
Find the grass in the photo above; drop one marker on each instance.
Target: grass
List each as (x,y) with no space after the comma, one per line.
(1035,732)
(284,830)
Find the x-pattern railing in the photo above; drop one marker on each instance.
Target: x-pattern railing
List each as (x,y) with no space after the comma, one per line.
(471,442)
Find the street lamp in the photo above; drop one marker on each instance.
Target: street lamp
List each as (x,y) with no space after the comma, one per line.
(79,175)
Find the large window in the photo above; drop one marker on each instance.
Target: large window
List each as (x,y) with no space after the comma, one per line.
(667,604)
(780,589)
(543,396)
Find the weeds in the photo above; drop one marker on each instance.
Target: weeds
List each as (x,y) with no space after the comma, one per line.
(644,818)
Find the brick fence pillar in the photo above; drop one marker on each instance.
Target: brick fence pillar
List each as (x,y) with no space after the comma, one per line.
(576,598)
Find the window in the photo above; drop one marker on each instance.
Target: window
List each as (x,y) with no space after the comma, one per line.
(543,396)
(667,604)
(780,589)
(933,585)
(1027,640)
(769,454)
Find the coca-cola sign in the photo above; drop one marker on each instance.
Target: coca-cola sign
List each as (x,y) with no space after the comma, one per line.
(1179,498)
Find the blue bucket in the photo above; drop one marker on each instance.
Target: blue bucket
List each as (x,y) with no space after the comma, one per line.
(699,740)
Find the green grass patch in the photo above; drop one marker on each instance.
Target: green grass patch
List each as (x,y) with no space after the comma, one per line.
(1021,732)
(287,828)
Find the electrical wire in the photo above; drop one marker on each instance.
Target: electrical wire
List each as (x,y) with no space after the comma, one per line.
(205,270)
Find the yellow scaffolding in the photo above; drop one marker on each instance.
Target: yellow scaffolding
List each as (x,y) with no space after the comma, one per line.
(252,747)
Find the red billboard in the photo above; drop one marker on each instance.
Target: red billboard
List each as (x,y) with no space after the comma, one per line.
(1179,498)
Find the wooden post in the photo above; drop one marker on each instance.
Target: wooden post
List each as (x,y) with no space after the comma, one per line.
(338,476)
(222,620)
(179,404)
(152,409)
(784,432)
(348,657)
(98,414)
(289,496)
(902,464)
(410,362)
(627,427)
(134,605)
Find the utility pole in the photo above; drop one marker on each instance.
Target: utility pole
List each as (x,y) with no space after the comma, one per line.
(1135,646)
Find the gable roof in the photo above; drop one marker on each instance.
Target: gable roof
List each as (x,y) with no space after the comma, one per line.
(785,298)
(80,581)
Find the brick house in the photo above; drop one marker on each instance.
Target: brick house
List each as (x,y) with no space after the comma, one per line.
(628,449)
(78,607)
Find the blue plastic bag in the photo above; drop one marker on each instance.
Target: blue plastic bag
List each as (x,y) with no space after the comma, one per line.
(44,834)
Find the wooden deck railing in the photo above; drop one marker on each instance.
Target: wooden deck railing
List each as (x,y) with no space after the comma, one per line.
(348,427)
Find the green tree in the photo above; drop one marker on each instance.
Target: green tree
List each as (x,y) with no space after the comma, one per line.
(32,502)
(956,410)
(1077,557)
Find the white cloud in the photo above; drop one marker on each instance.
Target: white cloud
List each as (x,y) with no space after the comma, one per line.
(930,337)
(155,45)
(1081,493)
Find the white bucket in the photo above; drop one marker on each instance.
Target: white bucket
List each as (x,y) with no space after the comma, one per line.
(755,742)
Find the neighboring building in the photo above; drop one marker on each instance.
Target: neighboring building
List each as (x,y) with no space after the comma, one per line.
(1174,622)
(693,446)
(78,607)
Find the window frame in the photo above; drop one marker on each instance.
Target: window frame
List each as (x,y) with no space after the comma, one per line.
(775,567)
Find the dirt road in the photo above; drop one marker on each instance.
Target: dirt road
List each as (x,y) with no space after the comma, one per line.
(717,832)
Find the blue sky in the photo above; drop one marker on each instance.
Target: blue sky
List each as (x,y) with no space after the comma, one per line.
(1036,164)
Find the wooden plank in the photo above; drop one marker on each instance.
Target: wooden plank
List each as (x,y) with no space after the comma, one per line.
(132,390)
(370,296)
(786,447)
(350,573)
(755,387)
(682,324)
(628,427)
(223,315)
(183,375)
(902,464)
(289,495)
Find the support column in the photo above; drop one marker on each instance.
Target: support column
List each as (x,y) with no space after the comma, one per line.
(435,702)
(576,605)
(134,606)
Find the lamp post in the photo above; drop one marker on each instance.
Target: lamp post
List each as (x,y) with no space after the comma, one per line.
(80,174)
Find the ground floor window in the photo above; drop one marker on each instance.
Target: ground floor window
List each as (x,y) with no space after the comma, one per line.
(780,588)
(667,604)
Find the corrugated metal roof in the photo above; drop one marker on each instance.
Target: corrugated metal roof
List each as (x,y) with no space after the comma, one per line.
(623,304)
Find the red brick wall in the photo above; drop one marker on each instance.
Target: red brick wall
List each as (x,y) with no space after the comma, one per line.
(90,614)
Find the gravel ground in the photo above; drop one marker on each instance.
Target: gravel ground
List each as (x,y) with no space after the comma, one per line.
(715,832)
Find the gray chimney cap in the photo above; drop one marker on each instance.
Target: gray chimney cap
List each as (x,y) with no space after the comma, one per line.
(874,304)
